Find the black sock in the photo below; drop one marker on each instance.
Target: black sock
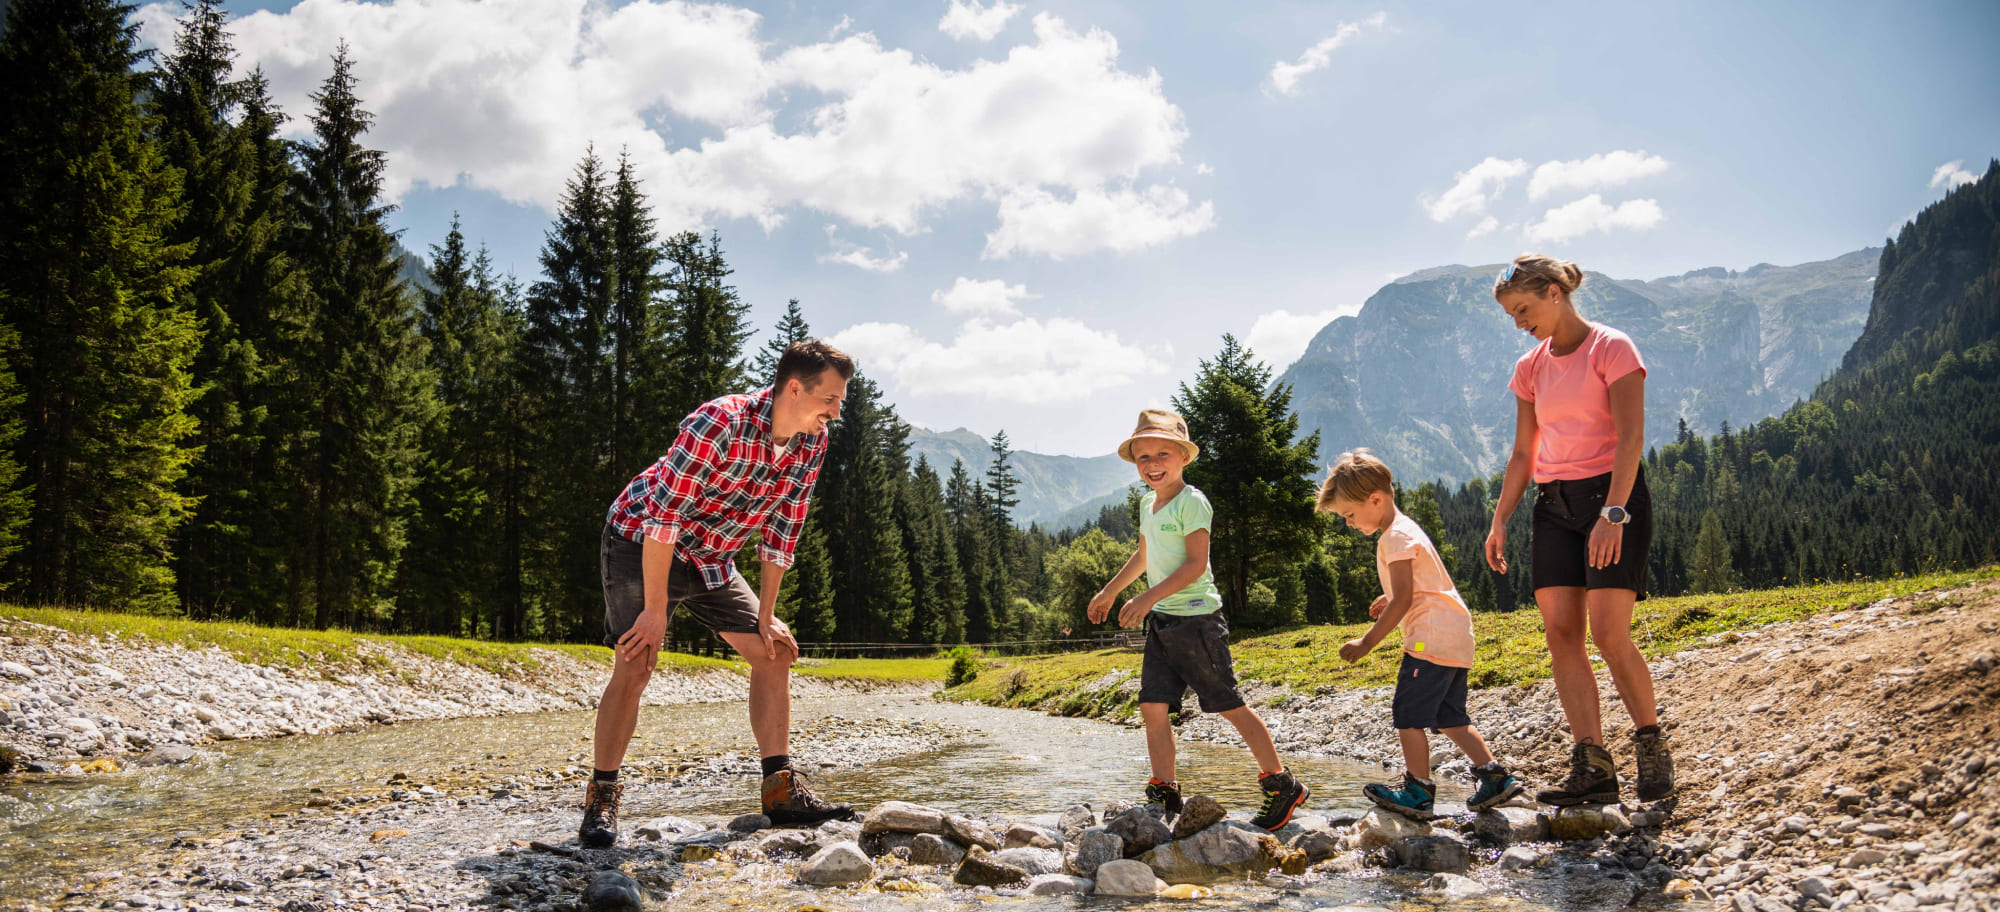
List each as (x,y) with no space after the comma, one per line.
(598,775)
(1650,729)
(777,762)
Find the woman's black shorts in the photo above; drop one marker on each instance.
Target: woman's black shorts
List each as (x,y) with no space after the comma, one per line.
(1565,511)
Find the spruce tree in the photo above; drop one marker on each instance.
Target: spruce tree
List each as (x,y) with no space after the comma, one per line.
(810,580)
(937,586)
(1711,568)
(965,505)
(1003,553)
(856,494)
(791,328)
(14,501)
(93,284)
(641,427)
(361,371)
(710,324)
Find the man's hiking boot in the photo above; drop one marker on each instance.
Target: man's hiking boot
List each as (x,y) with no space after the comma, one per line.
(1496,787)
(1593,779)
(1165,794)
(1283,793)
(600,815)
(1414,800)
(788,800)
(1656,764)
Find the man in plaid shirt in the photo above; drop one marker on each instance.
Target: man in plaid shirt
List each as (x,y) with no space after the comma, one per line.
(741,464)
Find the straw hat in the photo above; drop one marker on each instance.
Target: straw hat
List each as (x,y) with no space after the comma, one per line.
(1160,424)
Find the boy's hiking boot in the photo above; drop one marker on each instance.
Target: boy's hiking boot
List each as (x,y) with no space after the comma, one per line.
(1414,800)
(1496,787)
(1165,794)
(600,815)
(788,800)
(1283,793)
(1656,765)
(1593,779)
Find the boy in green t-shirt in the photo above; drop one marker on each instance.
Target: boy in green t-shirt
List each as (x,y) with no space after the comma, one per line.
(1187,639)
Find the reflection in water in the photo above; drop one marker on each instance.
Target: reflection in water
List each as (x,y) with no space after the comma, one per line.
(53,830)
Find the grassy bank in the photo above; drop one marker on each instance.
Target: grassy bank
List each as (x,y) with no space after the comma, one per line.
(338,650)
(1510,647)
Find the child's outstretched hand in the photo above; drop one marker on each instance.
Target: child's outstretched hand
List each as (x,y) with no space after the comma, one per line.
(1100,606)
(1352,650)
(1380,605)
(1134,612)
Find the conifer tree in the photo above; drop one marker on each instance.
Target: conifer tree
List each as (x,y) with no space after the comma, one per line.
(710,324)
(791,328)
(965,505)
(1003,551)
(94,286)
(361,370)
(1711,569)
(641,428)
(13,501)
(937,586)
(856,494)
(810,581)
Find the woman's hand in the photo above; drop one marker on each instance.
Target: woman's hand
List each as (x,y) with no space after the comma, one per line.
(1607,543)
(1496,548)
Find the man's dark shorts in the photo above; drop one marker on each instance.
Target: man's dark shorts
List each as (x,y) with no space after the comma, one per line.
(1565,512)
(1188,651)
(1429,696)
(729,609)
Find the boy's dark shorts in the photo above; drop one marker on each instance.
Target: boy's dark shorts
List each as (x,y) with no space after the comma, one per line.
(1565,512)
(1188,651)
(1429,696)
(732,608)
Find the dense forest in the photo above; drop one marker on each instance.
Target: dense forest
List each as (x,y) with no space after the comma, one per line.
(222,399)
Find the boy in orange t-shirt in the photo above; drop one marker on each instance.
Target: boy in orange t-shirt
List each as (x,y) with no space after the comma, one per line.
(1437,639)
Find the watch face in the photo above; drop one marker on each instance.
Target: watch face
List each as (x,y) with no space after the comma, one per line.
(1617,515)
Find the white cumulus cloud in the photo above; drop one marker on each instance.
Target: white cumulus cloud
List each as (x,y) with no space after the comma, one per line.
(504,96)
(1474,188)
(1485,227)
(971,19)
(864,258)
(1025,361)
(1280,337)
(991,297)
(1285,76)
(1606,169)
(1591,214)
(1035,221)
(1951,175)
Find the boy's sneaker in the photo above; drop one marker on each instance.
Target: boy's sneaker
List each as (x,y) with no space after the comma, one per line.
(1656,765)
(1496,787)
(600,815)
(1165,794)
(1593,779)
(788,800)
(1283,793)
(1414,800)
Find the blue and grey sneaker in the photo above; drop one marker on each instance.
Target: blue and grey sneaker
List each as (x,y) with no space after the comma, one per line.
(1414,800)
(1496,787)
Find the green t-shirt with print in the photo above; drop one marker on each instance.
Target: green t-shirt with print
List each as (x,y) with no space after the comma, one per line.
(1166,549)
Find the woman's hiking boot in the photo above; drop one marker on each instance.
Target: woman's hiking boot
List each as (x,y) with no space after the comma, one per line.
(1656,764)
(1593,779)
(789,800)
(1165,794)
(1414,800)
(1283,793)
(600,815)
(1496,787)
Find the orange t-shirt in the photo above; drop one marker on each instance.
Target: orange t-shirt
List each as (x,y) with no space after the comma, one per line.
(1572,398)
(1438,628)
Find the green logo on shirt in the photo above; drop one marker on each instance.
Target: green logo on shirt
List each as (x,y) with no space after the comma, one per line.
(1169,527)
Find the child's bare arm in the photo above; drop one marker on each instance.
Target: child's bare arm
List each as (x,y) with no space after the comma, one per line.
(1402,588)
(1182,577)
(1100,604)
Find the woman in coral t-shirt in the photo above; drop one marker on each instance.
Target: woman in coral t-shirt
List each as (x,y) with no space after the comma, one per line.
(1579,431)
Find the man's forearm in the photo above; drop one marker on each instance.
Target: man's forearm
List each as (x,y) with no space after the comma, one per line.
(656,562)
(771,579)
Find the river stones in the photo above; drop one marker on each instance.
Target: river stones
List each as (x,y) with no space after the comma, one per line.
(667,828)
(1031,836)
(750,823)
(1226,849)
(1058,885)
(1380,829)
(1031,860)
(1139,829)
(1518,858)
(611,891)
(1199,813)
(1509,825)
(168,755)
(1074,820)
(840,863)
(1299,825)
(1454,887)
(1437,852)
(1095,847)
(784,843)
(969,832)
(902,817)
(1580,823)
(1125,877)
(1319,845)
(932,849)
(982,870)
(880,844)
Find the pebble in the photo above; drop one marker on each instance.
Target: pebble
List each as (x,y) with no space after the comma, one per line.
(1126,877)
(840,863)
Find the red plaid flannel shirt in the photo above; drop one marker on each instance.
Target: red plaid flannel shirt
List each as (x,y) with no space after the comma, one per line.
(723,480)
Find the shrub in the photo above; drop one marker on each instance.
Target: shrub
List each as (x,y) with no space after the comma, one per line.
(964,666)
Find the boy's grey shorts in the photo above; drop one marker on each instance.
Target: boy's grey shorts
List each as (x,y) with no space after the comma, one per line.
(1188,651)
(732,608)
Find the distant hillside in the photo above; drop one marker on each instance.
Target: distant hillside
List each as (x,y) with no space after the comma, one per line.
(1420,374)
(1051,486)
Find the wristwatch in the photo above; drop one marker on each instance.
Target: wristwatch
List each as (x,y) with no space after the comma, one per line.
(1616,516)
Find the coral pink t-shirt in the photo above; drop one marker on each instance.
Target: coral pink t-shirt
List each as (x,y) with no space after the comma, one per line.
(1437,628)
(1572,399)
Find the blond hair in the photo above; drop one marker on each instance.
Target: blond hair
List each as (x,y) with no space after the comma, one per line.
(1534,272)
(1354,476)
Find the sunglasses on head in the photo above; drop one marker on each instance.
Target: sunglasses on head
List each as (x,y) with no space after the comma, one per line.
(1507,275)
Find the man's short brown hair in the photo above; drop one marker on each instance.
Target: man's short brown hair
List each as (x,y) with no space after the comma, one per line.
(806,359)
(1354,476)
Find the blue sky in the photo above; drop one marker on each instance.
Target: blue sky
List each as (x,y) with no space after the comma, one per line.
(1040,216)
